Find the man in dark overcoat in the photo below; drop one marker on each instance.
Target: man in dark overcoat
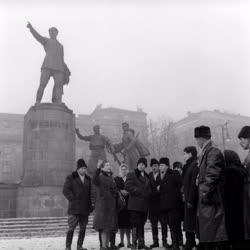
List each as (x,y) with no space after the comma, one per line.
(77,190)
(170,203)
(154,209)
(211,213)
(190,194)
(244,137)
(138,186)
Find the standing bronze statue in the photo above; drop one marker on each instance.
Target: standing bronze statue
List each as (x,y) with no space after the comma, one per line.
(53,64)
(97,145)
(131,147)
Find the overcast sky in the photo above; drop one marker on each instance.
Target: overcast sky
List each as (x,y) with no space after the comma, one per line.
(167,57)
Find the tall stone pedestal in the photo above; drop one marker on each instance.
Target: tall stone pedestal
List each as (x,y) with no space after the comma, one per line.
(48,157)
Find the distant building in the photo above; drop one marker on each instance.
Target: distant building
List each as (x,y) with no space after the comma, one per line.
(224,128)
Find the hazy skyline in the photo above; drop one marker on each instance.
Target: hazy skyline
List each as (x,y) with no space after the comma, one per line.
(163,57)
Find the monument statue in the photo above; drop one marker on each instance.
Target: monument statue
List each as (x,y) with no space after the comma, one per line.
(97,145)
(131,147)
(53,64)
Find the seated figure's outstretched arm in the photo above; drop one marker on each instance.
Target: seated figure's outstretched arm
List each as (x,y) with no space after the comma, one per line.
(36,35)
(81,137)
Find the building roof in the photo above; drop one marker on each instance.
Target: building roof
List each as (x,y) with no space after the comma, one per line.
(194,118)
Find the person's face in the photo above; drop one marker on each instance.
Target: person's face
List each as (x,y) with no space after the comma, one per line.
(82,171)
(155,168)
(163,168)
(245,143)
(186,156)
(125,127)
(124,171)
(96,130)
(200,141)
(141,167)
(107,167)
(53,33)
(179,170)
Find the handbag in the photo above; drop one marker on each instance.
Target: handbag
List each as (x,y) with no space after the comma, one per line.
(120,202)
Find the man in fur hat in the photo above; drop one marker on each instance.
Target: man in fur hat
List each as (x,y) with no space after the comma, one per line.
(138,186)
(170,203)
(211,214)
(77,190)
(154,211)
(244,137)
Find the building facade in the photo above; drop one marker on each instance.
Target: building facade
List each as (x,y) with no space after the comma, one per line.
(224,128)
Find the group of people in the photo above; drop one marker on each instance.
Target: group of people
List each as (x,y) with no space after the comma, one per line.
(208,198)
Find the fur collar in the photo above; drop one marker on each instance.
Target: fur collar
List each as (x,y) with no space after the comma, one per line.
(138,173)
(75,175)
(190,160)
(106,174)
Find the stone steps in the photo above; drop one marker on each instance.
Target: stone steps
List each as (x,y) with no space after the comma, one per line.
(39,227)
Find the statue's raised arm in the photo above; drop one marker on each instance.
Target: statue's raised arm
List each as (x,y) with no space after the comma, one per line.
(36,35)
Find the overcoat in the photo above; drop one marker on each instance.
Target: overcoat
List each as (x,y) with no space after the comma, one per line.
(190,193)
(211,213)
(170,192)
(105,213)
(124,214)
(236,176)
(78,194)
(139,191)
(154,200)
(247,198)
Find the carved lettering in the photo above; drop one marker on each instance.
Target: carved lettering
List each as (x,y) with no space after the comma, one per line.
(48,124)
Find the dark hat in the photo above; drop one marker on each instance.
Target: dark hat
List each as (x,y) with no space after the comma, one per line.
(96,126)
(164,160)
(143,161)
(202,131)
(245,132)
(81,164)
(153,161)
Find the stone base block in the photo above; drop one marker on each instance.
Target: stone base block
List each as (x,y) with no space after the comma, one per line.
(8,194)
(41,202)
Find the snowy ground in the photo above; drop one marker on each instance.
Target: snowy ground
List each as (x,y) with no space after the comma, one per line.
(57,243)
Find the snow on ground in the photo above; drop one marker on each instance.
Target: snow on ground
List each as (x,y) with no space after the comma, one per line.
(58,243)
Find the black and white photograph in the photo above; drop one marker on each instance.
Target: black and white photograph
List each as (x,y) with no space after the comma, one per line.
(124,124)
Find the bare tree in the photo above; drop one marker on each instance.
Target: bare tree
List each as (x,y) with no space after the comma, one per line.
(159,136)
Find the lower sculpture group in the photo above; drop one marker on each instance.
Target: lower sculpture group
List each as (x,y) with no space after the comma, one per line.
(208,198)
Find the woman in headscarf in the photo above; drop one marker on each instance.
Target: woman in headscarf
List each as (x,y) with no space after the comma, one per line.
(123,215)
(234,186)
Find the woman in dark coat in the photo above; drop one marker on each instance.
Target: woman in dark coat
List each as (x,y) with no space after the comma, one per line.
(123,215)
(105,213)
(234,187)
(190,194)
